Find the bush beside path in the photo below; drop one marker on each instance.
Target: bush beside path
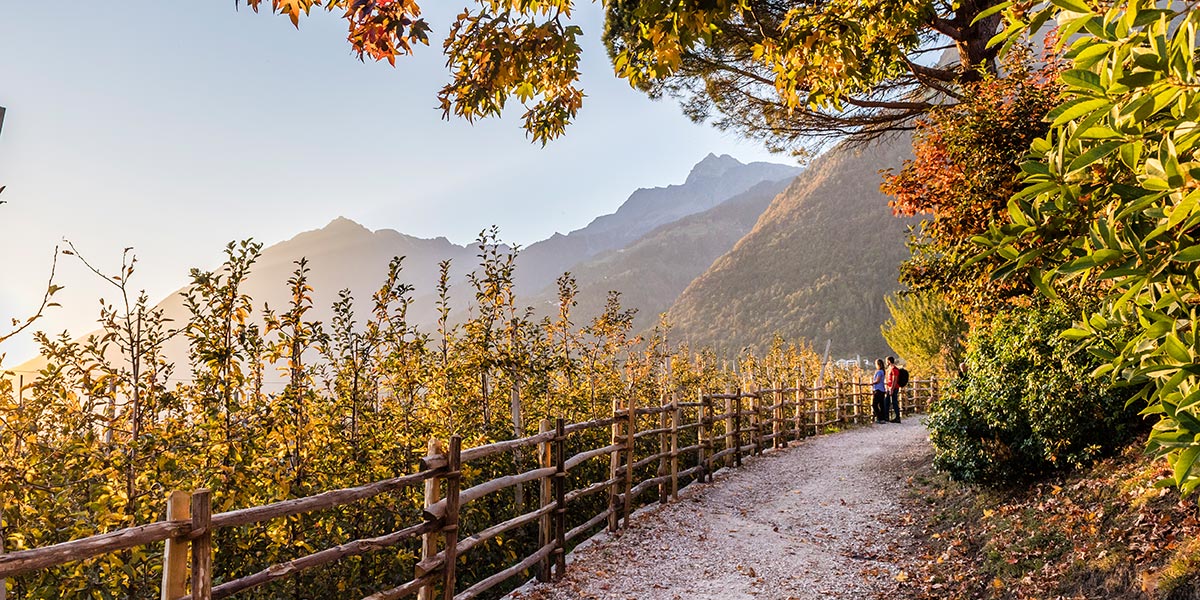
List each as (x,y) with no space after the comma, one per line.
(821,519)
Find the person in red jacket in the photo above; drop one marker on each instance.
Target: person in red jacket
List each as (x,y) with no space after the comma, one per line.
(892,383)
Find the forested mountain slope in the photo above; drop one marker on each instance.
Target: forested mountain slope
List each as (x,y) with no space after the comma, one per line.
(651,272)
(816,265)
(711,182)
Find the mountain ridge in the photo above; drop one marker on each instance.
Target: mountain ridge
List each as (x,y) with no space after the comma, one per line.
(344,254)
(652,271)
(839,222)
(711,181)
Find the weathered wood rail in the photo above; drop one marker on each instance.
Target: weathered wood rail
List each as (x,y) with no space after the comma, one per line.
(646,452)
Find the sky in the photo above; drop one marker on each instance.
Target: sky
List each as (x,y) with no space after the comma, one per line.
(175,127)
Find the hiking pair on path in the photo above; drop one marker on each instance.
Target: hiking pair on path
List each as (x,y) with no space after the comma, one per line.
(885,388)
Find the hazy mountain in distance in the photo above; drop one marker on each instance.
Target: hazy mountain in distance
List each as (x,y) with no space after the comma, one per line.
(341,255)
(651,272)
(346,255)
(816,265)
(712,181)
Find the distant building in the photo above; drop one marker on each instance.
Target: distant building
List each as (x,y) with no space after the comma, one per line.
(848,363)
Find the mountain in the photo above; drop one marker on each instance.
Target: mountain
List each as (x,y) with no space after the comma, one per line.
(712,181)
(652,271)
(341,255)
(816,265)
(346,255)
(684,227)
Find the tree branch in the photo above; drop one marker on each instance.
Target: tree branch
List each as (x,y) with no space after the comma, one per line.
(41,310)
(946,28)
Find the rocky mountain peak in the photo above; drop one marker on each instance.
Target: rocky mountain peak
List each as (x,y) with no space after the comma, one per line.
(712,166)
(344,224)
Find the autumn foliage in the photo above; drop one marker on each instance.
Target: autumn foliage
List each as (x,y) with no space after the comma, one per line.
(966,166)
(272,405)
(1104,532)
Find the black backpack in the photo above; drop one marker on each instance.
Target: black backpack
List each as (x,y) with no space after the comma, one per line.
(902,378)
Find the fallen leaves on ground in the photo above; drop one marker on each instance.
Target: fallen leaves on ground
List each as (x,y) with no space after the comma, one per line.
(1104,533)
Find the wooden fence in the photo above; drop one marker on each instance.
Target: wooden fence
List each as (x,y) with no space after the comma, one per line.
(645,453)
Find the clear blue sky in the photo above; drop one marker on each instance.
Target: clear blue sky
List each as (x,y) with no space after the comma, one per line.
(174,127)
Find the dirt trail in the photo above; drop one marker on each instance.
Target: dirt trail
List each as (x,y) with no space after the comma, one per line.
(821,519)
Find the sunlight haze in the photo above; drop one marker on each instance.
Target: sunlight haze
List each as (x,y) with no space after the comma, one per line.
(174,128)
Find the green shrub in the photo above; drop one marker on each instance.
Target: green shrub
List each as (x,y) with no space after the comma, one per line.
(1026,405)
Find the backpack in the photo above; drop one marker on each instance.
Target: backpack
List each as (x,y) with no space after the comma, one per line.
(902,378)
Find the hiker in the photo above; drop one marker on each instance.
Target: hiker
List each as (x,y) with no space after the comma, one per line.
(878,393)
(892,384)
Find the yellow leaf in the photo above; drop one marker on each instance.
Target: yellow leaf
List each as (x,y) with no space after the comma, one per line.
(997,584)
(902,576)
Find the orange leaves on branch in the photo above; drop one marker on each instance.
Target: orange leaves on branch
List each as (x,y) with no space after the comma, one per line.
(380,29)
(385,29)
(965,169)
(506,48)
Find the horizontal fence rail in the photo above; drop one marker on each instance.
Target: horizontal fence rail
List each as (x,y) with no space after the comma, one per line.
(650,449)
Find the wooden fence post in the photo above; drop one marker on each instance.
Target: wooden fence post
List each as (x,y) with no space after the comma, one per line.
(868,401)
(676,418)
(816,409)
(630,442)
(450,520)
(914,401)
(756,401)
(777,416)
(175,552)
(201,545)
(755,419)
(560,498)
(856,414)
(663,441)
(545,523)
(706,442)
(838,401)
(728,427)
(799,408)
(916,390)
(737,427)
(909,392)
(922,402)
(614,465)
(433,493)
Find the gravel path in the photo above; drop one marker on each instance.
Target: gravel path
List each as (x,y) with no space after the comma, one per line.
(821,519)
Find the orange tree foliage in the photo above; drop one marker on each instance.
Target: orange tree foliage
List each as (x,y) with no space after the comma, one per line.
(965,169)
(781,71)
(273,405)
